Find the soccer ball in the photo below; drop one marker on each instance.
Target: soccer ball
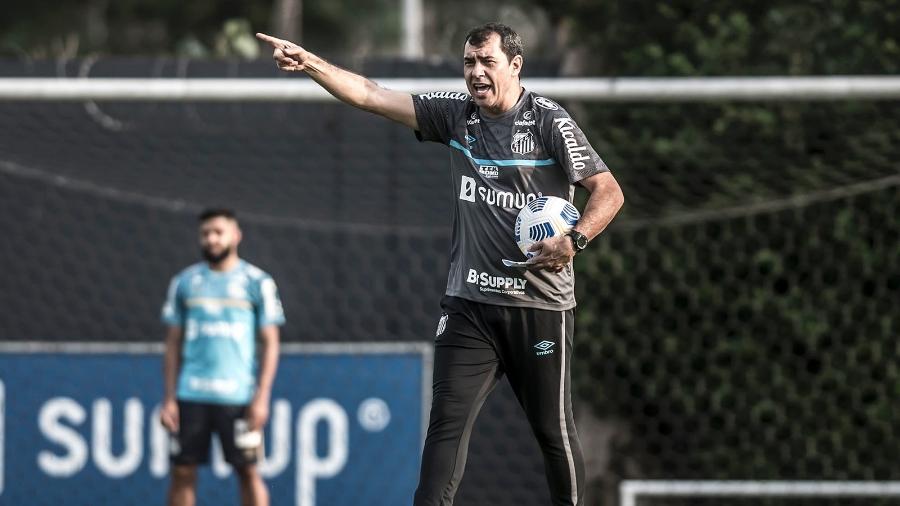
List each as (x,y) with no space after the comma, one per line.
(543,218)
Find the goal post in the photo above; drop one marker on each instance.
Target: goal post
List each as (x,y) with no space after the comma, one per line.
(625,89)
(631,490)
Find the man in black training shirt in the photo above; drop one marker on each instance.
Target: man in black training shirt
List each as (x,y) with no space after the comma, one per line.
(508,147)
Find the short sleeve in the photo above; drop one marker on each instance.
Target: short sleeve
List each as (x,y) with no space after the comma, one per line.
(567,144)
(436,113)
(173,307)
(269,310)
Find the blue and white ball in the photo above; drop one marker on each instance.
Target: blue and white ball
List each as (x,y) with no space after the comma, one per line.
(543,218)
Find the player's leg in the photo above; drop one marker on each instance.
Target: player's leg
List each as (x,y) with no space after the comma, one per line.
(253,488)
(188,448)
(537,355)
(466,369)
(242,450)
(183,485)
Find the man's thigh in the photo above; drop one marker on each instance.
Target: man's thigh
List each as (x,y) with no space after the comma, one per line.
(464,355)
(190,445)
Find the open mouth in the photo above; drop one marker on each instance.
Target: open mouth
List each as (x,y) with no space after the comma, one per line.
(481,89)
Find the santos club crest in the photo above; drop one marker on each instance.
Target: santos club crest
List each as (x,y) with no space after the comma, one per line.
(523,142)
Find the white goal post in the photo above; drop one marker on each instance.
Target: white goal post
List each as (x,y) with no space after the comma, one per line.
(631,490)
(282,89)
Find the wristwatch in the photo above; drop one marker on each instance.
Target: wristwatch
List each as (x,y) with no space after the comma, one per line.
(579,240)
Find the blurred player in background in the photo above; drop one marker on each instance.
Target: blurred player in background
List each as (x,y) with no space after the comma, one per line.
(508,146)
(216,311)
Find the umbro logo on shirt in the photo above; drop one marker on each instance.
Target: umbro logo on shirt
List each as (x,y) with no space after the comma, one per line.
(544,347)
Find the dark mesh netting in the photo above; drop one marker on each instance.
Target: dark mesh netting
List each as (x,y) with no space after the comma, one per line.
(737,321)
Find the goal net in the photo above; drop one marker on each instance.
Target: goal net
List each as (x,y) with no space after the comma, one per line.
(737,321)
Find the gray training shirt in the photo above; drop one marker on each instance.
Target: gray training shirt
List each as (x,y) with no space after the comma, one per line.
(497,166)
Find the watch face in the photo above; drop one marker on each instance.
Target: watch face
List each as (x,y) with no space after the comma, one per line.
(578,240)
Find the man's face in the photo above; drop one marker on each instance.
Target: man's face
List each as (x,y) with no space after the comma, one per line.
(219,237)
(492,79)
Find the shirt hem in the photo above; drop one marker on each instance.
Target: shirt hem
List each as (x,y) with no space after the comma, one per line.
(531,304)
(210,400)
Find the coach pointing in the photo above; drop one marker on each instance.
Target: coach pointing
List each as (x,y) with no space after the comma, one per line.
(503,140)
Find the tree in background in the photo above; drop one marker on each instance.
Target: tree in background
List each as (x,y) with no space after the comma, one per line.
(203,28)
(599,38)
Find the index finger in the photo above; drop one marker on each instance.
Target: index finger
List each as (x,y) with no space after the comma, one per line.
(273,41)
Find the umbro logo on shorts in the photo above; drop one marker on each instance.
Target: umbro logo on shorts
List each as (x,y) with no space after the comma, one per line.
(544,347)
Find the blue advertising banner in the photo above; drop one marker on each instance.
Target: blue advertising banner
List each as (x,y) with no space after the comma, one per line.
(79,425)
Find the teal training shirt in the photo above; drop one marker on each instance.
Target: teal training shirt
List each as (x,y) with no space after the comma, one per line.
(220,314)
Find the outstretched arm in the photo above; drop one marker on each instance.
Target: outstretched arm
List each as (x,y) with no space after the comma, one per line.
(346,86)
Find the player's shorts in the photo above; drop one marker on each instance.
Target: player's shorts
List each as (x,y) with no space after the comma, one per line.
(197,423)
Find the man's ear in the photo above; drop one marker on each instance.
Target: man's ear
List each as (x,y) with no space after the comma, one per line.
(516,65)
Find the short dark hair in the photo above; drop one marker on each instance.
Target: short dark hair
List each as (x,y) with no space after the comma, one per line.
(216,212)
(510,42)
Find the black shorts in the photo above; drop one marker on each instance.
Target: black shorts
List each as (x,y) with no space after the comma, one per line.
(198,421)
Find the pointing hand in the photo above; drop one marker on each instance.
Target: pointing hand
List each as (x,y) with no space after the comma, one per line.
(288,56)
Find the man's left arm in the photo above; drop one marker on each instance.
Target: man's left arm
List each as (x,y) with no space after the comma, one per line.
(604,202)
(258,410)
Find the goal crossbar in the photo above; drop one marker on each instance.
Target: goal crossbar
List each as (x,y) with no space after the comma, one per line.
(675,89)
(630,490)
